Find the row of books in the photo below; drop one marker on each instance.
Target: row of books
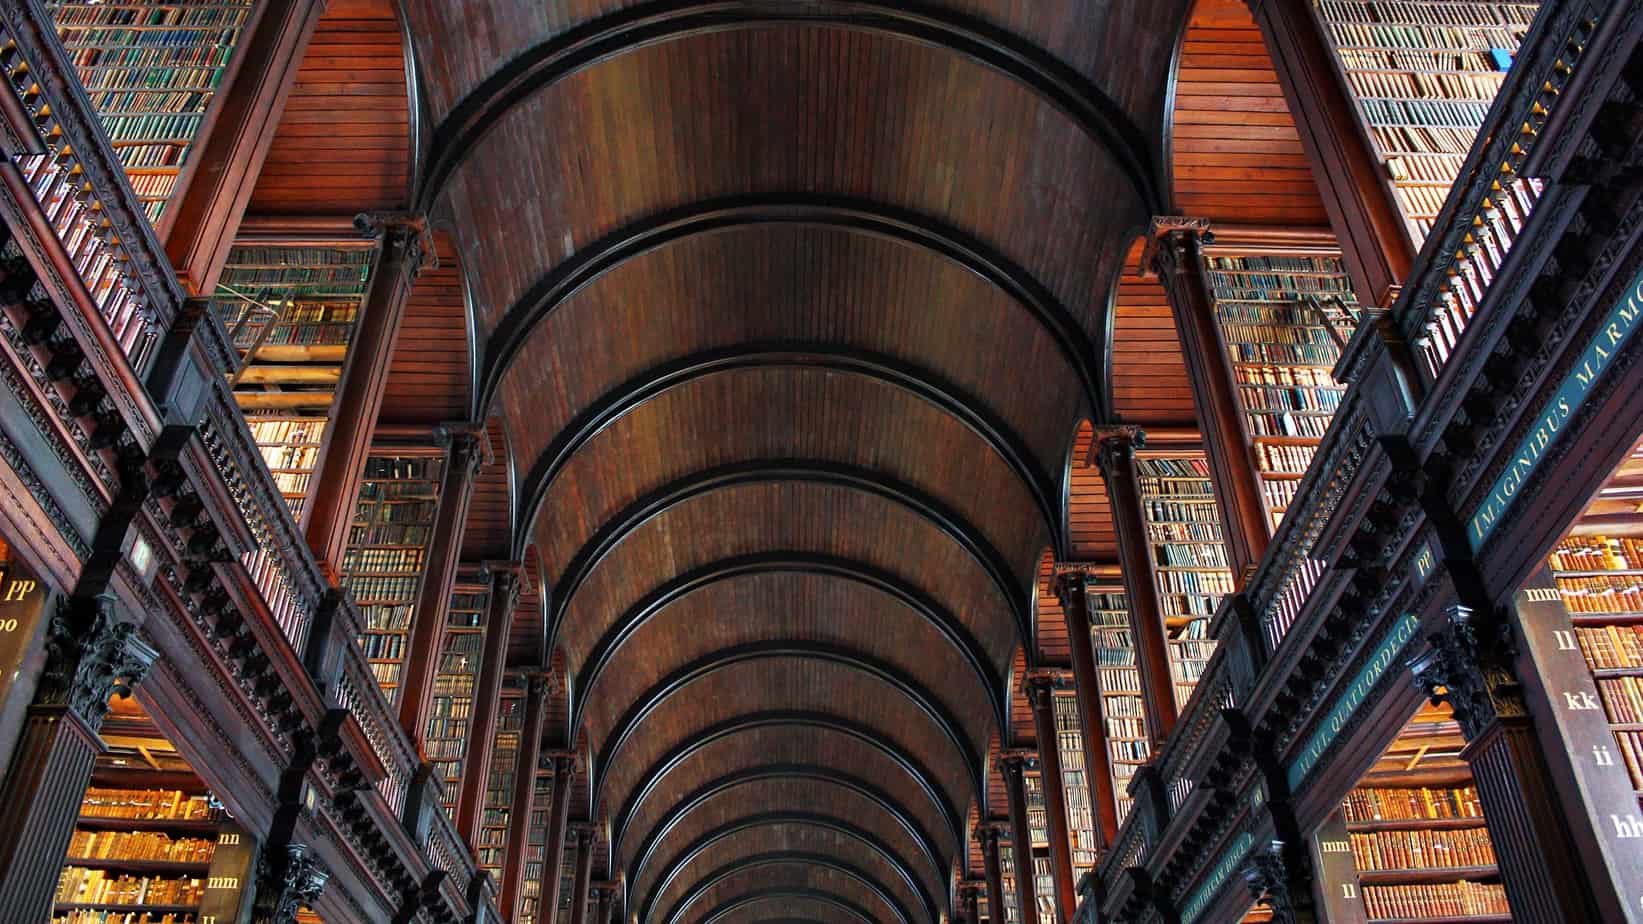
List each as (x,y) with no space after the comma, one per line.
(1622,698)
(145,804)
(1597,553)
(1278,494)
(1602,594)
(1412,803)
(392,468)
(1437,12)
(299,432)
(305,274)
(1611,647)
(387,674)
(1435,900)
(139,845)
(81,886)
(1373,76)
(1423,848)
(1119,679)
(411,531)
(1206,532)
(1430,36)
(1174,511)
(1631,752)
(84,916)
(1315,354)
(1280,458)
(381,588)
(1311,425)
(1189,555)
(1290,398)
(1171,581)
(1285,375)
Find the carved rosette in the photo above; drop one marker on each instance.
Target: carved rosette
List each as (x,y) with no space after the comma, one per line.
(1468,667)
(90,656)
(288,881)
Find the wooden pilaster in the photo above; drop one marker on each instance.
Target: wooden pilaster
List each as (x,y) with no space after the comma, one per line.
(91,655)
(969,903)
(1116,456)
(329,510)
(200,223)
(1177,257)
(988,834)
(524,791)
(476,755)
(1069,588)
(553,857)
(1040,689)
(1589,778)
(463,455)
(1375,246)
(584,873)
(1467,667)
(604,894)
(1014,766)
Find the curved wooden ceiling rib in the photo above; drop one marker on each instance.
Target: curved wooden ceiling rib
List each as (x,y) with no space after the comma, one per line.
(831,908)
(667,790)
(786,870)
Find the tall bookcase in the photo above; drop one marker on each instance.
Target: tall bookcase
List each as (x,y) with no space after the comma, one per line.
(1188,557)
(1415,829)
(291,312)
(1423,74)
(453,697)
(1006,863)
(499,777)
(1080,817)
(152,71)
(387,555)
(1283,320)
(536,850)
(1038,828)
(1119,680)
(1599,573)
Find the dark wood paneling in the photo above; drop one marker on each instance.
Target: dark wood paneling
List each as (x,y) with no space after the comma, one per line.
(798,875)
(428,376)
(1235,155)
(1149,377)
(343,145)
(490,511)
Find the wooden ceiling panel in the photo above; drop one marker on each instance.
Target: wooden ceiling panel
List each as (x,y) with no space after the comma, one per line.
(490,512)
(1235,154)
(1149,376)
(694,897)
(344,142)
(786,684)
(739,290)
(828,803)
(789,908)
(803,518)
(428,375)
(1089,512)
(760,750)
(790,609)
(798,110)
(782,414)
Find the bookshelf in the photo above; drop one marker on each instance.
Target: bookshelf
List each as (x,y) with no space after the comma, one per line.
(1006,863)
(291,312)
(152,71)
(386,556)
(454,680)
(1119,680)
(1423,74)
(1038,818)
(510,725)
(1080,816)
(1188,557)
(536,848)
(1599,574)
(1283,320)
(150,842)
(1415,828)
(1044,887)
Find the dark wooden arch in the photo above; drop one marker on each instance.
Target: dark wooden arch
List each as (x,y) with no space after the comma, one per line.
(681,679)
(948,521)
(817,772)
(782,858)
(860,216)
(798,719)
(816,895)
(1003,439)
(779,562)
(841,826)
(612,35)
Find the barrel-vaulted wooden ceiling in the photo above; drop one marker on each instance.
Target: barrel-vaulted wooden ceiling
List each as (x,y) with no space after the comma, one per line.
(791,319)
(791,313)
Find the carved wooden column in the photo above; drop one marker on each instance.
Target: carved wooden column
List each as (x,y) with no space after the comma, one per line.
(1374,242)
(1177,257)
(1271,878)
(553,858)
(1116,456)
(288,880)
(464,453)
(524,790)
(200,223)
(1040,689)
(1469,667)
(988,834)
(584,872)
(1014,766)
(1069,588)
(476,753)
(90,656)
(604,894)
(329,510)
